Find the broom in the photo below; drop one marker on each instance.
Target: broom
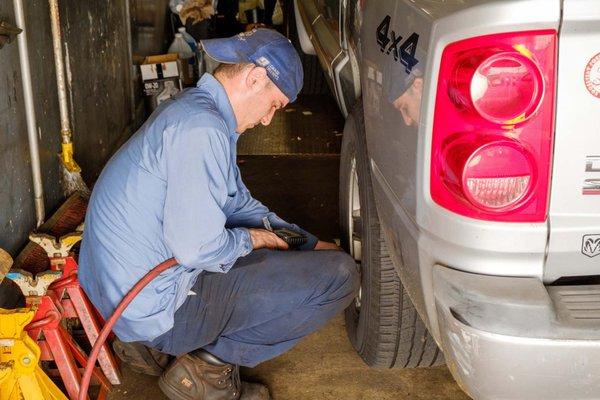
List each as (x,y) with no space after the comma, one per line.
(70,175)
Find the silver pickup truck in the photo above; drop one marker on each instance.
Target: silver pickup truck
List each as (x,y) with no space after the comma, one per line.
(469,185)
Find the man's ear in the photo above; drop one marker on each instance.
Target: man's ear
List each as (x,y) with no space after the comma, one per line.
(257,79)
(406,116)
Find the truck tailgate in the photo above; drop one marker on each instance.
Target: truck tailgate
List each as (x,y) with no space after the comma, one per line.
(574,214)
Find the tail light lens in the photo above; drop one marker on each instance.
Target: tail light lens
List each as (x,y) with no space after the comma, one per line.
(494,125)
(489,191)
(507,87)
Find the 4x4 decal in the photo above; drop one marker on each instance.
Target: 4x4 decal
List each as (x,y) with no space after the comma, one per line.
(390,44)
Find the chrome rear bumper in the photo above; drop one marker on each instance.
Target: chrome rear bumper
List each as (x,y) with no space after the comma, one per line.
(514,338)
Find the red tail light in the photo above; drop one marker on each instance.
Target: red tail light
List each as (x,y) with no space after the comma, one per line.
(494,125)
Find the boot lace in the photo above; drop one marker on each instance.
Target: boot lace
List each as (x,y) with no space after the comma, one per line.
(232,376)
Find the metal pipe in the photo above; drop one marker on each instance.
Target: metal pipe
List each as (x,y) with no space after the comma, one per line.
(130,59)
(65,127)
(38,189)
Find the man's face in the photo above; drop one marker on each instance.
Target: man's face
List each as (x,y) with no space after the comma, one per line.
(265,100)
(409,103)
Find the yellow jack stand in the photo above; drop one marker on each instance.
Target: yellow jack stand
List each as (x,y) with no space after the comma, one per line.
(21,377)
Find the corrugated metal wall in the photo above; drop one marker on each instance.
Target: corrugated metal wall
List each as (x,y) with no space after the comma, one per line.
(96,36)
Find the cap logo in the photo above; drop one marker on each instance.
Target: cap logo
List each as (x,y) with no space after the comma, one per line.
(273,72)
(263,61)
(242,36)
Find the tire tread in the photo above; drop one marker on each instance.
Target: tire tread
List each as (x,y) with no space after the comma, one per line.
(393,334)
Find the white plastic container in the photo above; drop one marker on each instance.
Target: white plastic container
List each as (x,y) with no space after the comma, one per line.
(186,55)
(198,64)
(189,39)
(176,5)
(181,47)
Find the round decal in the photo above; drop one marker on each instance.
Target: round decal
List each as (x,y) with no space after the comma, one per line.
(592,76)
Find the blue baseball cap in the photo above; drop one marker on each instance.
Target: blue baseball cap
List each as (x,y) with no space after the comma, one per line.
(265,48)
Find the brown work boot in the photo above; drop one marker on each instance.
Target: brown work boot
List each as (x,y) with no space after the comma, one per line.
(202,376)
(140,358)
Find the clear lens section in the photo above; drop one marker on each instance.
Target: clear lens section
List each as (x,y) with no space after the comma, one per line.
(506,88)
(498,175)
(498,192)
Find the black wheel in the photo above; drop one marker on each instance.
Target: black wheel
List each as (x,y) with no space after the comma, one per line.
(382,323)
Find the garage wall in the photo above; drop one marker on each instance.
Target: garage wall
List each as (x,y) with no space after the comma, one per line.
(96,38)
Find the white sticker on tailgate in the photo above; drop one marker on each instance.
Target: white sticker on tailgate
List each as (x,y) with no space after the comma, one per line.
(592,76)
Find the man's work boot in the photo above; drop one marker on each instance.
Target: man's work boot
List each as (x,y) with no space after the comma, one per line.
(140,358)
(201,376)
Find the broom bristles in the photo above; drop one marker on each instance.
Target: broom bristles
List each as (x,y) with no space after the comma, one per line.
(72,182)
(65,220)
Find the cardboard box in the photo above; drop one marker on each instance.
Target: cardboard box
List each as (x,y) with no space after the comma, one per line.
(161,78)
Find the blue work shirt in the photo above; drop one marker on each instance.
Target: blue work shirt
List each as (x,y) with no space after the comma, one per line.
(173,190)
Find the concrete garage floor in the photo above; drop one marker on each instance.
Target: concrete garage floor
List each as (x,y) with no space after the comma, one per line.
(303,189)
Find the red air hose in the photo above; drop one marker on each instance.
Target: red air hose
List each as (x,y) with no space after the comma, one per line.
(89,368)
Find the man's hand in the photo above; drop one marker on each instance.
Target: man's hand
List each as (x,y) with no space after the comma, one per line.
(326,246)
(262,238)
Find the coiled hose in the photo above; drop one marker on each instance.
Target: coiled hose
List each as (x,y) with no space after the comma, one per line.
(135,290)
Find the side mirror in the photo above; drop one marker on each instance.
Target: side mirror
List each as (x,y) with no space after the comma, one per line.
(7,33)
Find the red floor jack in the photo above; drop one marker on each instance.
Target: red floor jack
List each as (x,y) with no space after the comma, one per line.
(55,343)
(58,295)
(72,298)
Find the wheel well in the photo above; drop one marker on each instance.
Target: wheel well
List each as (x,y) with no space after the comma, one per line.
(305,43)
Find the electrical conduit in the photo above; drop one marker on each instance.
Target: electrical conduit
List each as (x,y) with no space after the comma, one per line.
(34,153)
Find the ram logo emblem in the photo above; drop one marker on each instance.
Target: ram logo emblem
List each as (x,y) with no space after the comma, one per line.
(591,245)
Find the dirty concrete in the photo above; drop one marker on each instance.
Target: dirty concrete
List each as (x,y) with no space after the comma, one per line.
(324,366)
(312,126)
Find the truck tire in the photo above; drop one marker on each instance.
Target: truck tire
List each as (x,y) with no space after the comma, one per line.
(382,323)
